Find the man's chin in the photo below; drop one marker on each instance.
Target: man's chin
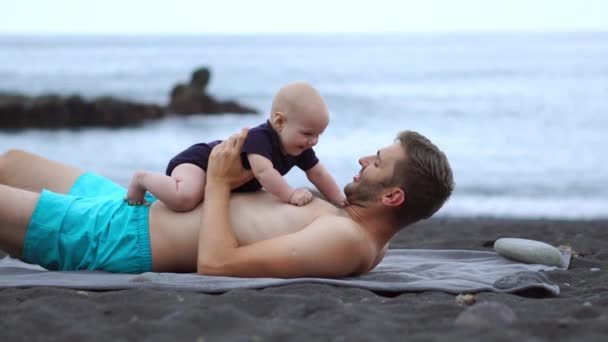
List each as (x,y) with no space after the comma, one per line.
(362,192)
(349,189)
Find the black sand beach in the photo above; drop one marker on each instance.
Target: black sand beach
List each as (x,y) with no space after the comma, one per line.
(320,312)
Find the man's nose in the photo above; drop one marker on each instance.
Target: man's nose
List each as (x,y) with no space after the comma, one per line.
(363,161)
(313,141)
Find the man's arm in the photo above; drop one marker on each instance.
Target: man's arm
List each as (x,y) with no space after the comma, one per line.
(316,250)
(325,248)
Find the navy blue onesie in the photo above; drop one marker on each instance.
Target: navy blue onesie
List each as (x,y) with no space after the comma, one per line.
(262,140)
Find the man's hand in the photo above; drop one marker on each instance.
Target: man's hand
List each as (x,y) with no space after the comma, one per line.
(300,197)
(225,165)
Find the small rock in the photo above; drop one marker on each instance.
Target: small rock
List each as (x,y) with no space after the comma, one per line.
(587,304)
(564,322)
(586,312)
(172,316)
(486,314)
(528,251)
(465,299)
(594,269)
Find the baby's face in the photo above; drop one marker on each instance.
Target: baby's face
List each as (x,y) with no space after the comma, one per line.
(301,132)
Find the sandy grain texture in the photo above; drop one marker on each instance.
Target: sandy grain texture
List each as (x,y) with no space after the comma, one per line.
(325,313)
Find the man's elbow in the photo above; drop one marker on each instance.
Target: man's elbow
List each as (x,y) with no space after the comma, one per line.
(210,268)
(204,270)
(209,264)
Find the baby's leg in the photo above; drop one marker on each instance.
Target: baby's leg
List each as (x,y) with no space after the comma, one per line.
(182,191)
(28,171)
(16,208)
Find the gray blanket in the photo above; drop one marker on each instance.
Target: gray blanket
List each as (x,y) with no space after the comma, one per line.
(402,270)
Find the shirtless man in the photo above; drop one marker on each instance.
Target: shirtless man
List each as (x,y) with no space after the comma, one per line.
(246,235)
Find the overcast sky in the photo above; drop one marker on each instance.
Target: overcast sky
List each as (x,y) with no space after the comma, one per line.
(237,16)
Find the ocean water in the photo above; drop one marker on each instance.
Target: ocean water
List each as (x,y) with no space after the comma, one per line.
(523,117)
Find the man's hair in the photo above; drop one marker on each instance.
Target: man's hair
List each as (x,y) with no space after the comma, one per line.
(424,175)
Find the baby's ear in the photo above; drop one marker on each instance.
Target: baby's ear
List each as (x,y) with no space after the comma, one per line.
(278,119)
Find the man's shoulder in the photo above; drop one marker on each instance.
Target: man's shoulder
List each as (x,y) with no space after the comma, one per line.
(341,226)
(345,235)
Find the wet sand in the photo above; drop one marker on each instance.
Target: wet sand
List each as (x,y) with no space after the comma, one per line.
(320,312)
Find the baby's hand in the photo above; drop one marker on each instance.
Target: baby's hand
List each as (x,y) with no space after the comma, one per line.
(136,193)
(300,197)
(341,202)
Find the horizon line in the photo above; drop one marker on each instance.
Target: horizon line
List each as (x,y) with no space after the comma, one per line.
(282,33)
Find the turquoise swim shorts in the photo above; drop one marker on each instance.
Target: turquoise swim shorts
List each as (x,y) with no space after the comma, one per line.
(90,228)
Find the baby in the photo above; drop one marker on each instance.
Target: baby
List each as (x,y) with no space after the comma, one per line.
(298,117)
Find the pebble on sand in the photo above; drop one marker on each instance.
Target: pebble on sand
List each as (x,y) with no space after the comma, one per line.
(466,299)
(529,251)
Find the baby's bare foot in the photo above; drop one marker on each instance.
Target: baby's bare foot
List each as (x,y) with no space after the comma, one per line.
(135,193)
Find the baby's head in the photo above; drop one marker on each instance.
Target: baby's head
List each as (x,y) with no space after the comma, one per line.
(299,115)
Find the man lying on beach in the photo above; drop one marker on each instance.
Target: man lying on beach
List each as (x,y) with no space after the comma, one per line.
(80,220)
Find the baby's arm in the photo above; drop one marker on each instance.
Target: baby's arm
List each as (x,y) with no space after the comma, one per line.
(181,191)
(274,183)
(320,177)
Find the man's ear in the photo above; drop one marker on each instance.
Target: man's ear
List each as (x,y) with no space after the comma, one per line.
(393,197)
(278,120)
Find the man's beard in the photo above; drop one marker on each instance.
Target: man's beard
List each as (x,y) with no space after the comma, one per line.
(363,192)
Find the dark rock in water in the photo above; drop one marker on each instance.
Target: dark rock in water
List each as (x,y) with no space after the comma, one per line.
(200,78)
(53,111)
(486,314)
(192,98)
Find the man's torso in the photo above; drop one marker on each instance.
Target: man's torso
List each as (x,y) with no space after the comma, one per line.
(254,217)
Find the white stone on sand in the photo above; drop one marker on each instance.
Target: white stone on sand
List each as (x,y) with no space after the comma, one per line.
(528,251)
